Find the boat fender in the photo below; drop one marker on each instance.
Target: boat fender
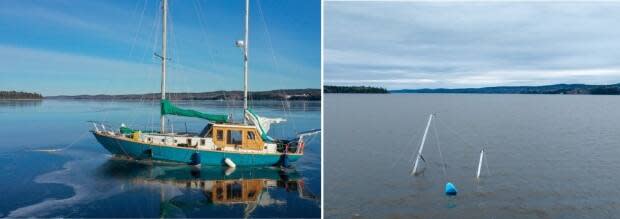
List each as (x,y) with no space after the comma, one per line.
(450,189)
(284,162)
(195,159)
(229,171)
(230,163)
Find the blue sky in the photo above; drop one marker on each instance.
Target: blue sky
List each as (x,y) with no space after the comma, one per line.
(471,44)
(92,47)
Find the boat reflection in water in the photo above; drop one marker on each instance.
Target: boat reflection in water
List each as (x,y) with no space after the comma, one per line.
(220,186)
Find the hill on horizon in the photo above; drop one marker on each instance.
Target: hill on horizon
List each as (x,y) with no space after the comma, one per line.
(611,89)
(286,94)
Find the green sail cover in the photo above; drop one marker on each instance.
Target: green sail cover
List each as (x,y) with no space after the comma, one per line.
(167,108)
(125,130)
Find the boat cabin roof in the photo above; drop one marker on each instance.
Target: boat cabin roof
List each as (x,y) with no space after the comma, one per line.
(233,125)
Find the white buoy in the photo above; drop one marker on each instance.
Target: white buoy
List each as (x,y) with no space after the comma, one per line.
(230,163)
(480,164)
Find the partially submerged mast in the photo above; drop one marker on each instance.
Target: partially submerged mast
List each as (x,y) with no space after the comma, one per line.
(163,61)
(480,164)
(419,155)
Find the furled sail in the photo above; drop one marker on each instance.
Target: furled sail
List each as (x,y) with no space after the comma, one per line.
(262,123)
(167,108)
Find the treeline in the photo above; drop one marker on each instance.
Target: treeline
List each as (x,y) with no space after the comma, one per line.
(354,89)
(612,89)
(19,95)
(284,94)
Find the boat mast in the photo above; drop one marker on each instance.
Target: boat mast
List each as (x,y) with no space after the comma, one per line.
(480,164)
(417,159)
(245,60)
(163,61)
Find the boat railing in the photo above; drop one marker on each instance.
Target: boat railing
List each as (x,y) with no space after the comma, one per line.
(100,126)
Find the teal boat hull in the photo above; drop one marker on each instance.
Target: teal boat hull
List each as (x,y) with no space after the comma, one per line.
(138,151)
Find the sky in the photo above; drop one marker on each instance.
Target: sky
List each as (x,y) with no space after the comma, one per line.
(401,45)
(70,47)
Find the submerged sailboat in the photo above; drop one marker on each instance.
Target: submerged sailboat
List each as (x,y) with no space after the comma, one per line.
(221,142)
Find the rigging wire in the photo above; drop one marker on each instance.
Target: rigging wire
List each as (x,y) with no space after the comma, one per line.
(108,87)
(155,36)
(486,163)
(443,160)
(468,143)
(411,139)
(147,69)
(63,148)
(198,10)
(135,38)
(133,112)
(455,133)
(174,66)
(285,102)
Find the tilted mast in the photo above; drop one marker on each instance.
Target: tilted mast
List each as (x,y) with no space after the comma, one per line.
(163,61)
(419,155)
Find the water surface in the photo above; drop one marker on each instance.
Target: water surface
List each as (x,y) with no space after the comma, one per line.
(548,156)
(84,180)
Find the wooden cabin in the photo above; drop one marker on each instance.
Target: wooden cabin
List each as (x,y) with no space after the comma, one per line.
(238,136)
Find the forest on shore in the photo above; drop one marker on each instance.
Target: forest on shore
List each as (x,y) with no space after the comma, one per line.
(15,95)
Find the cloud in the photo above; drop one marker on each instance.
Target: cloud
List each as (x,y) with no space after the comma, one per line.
(452,44)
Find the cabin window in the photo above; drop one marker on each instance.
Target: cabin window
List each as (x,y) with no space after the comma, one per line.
(235,190)
(234,137)
(219,193)
(210,133)
(202,142)
(207,131)
(163,140)
(175,141)
(252,194)
(148,139)
(251,136)
(220,135)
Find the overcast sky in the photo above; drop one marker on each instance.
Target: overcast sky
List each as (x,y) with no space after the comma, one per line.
(440,44)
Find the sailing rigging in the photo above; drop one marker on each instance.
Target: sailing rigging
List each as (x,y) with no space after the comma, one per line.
(221,142)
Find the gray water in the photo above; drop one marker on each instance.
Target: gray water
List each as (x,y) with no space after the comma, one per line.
(83,180)
(548,156)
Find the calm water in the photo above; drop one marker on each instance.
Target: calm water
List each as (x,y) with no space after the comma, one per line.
(83,180)
(548,156)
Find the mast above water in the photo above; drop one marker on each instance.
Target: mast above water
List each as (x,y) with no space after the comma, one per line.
(419,155)
(243,44)
(245,60)
(163,61)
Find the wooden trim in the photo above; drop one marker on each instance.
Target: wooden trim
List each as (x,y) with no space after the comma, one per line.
(246,143)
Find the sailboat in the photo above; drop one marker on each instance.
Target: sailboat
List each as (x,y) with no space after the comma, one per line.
(221,142)
(450,188)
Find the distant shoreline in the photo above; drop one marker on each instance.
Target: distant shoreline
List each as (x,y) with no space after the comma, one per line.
(285,94)
(572,89)
(354,89)
(19,95)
